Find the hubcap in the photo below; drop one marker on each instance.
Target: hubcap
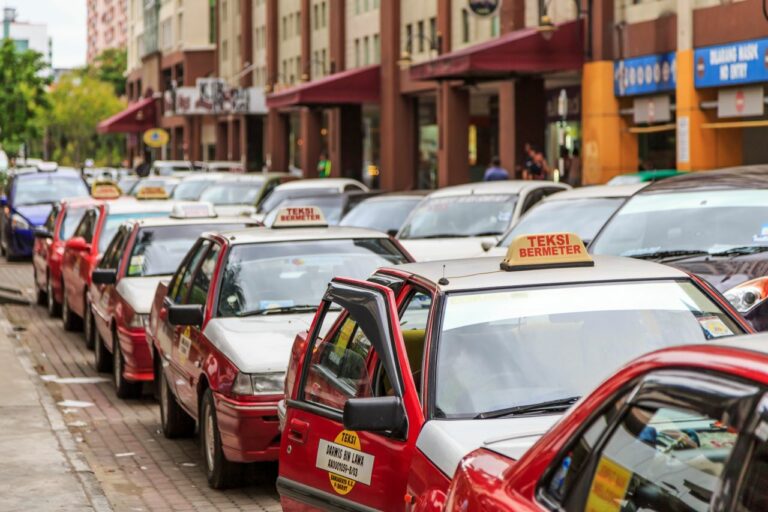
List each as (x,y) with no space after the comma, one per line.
(209,438)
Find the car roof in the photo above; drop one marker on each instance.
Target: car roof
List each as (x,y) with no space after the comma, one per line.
(485,273)
(320,183)
(494,187)
(80,201)
(416,195)
(153,222)
(744,177)
(205,176)
(596,192)
(265,235)
(134,206)
(63,172)
(752,342)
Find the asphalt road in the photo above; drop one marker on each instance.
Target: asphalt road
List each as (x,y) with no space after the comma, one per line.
(136,467)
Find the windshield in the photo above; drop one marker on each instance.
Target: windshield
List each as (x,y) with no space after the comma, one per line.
(234,192)
(159,250)
(71,219)
(460,216)
(584,217)
(511,348)
(278,196)
(382,215)
(190,190)
(331,207)
(46,189)
(261,277)
(169,169)
(113,222)
(709,221)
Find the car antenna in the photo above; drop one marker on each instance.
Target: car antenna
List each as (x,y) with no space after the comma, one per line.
(443,280)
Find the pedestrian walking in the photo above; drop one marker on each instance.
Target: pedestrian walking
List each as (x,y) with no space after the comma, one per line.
(495,172)
(324,166)
(574,169)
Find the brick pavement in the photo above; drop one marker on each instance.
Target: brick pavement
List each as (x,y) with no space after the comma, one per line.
(137,467)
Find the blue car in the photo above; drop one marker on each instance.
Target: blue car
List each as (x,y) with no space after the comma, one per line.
(27,201)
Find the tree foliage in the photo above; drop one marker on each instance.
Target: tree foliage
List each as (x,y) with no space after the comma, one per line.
(109,66)
(23,101)
(79,102)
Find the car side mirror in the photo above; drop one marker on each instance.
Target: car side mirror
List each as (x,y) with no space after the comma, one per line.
(379,414)
(488,245)
(41,232)
(3,200)
(78,244)
(104,276)
(185,314)
(392,232)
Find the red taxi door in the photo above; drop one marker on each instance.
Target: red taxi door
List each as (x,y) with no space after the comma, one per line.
(351,430)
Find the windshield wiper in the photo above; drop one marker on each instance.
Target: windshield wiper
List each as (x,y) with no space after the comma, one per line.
(441,235)
(551,405)
(486,233)
(739,251)
(280,310)
(668,254)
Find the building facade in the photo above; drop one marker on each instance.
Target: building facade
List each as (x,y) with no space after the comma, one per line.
(107,26)
(26,35)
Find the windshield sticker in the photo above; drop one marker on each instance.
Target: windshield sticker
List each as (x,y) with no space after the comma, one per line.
(713,327)
(345,462)
(136,264)
(763,236)
(609,487)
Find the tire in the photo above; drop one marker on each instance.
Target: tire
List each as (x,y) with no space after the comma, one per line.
(89,327)
(71,321)
(221,473)
(174,420)
(41,296)
(124,388)
(101,356)
(53,307)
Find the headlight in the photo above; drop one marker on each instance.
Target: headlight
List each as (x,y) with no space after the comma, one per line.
(19,222)
(259,383)
(748,295)
(139,321)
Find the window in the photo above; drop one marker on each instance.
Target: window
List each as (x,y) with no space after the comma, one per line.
(225,50)
(315,16)
(366,50)
(202,282)
(753,495)
(180,27)
(433,32)
(464,26)
(182,281)
(409,37)
(357,6)
(495,26)
(285,28)
(325,15)
(421,35)
(86,227)
(376,49)
(111,258)
(298,24)
(50,221)
(357,53)
(413,325)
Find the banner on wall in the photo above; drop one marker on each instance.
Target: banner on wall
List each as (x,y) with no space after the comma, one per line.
(648,74)
(739,63)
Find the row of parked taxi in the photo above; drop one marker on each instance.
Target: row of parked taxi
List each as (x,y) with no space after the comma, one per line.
(478,377)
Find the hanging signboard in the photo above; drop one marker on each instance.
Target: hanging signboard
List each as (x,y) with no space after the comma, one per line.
(645,75)
(213,96)
(483,8)
(739,63)
(741,101)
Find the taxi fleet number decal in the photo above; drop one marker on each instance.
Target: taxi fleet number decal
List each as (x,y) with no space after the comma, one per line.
(344,461)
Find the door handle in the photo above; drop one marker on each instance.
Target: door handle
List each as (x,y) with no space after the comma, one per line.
(297,430)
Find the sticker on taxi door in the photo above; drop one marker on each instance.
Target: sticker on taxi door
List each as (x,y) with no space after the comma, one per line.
(608,487)
(345,462)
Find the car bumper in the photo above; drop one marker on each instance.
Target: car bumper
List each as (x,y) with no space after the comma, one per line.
(137,356)
(249,430)
(21,242)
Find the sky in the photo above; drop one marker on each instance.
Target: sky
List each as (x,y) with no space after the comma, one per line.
(66,20)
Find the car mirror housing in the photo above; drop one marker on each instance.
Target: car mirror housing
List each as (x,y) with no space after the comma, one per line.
(77,243)
(379,414)
(183,314)
(104,276)
(488,245)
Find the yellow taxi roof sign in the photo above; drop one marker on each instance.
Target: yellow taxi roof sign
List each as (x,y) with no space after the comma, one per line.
(546,250)
(152,192)
(105,190)
(299,217)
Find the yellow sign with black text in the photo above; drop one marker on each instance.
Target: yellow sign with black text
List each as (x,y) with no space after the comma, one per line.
(345,462)
(156,137)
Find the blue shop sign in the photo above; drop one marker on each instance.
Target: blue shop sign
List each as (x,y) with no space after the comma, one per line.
(645,75)
(739,63)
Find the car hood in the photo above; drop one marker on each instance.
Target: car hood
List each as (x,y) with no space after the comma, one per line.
(139,292)
(34,213)
(725,273)
(234,210)
(257,344)
(445,248)
(446,442)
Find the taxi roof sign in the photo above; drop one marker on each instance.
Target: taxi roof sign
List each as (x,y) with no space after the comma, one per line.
(152,192)
(300,217)
(196,210)
(547,250)
(105,190)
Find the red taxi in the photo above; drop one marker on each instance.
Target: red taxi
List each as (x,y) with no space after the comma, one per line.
(88,242)
(123,284)
(49,243)
(681,429)
(223,327)
(427,362)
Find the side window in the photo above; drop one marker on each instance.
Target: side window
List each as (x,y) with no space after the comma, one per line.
(532,198)
(111,258)
(202,280)
(659,458)
(413,324)
(85,228)
(185,282)
(50,221)
(753,493)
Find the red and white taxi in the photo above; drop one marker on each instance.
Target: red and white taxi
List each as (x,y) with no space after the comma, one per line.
(141,253)
(681,429)
(223,327)
(86,245)
(429,361)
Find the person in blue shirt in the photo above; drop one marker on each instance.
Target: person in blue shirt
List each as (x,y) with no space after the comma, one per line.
(495,172)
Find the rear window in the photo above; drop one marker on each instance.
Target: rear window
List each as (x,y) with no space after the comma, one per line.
(113,222)
(46,188)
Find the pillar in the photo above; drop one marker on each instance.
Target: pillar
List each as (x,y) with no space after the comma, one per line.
(311,124)
(221,139)
(345,145)
(453,120)
(278,130)
(337,48)
(246,41)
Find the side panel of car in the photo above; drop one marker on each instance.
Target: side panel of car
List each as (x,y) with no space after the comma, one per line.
(104,297)
(43,245)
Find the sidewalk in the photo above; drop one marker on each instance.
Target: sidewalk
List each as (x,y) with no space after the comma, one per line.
(41,467)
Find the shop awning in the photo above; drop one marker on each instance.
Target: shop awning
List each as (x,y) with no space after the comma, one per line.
(522,51)
(355,86)
(138,117)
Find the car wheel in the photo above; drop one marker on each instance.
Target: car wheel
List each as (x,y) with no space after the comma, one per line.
(89,327)
(124,388)
(221,473)
(54,308)
(71,321)
(102,357)
(40,295)
(174,420)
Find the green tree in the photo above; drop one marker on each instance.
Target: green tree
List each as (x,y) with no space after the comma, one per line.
(23,102)
(78,103)
(110,66)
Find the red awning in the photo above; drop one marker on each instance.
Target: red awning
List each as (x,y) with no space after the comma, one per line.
(138,117)
(522,51)
(360,85)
